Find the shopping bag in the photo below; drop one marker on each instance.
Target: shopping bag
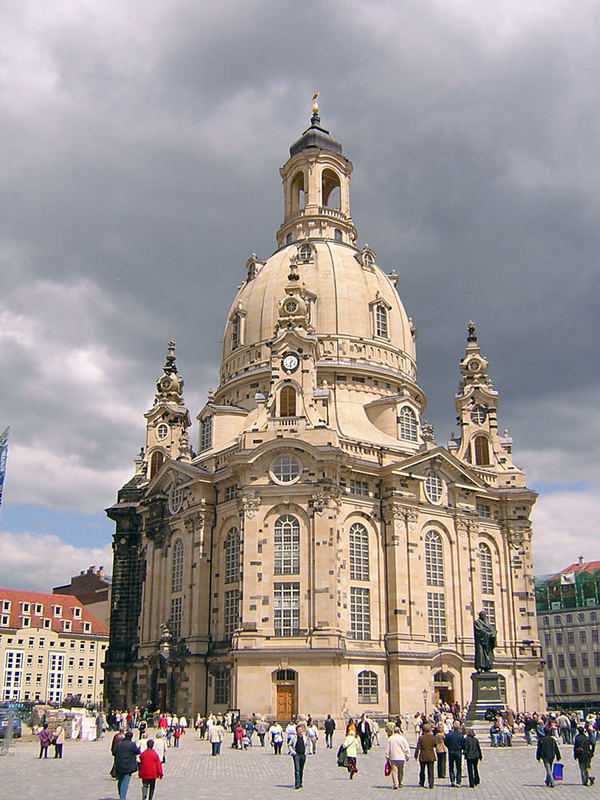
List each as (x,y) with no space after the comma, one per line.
(387,767)
(557,771)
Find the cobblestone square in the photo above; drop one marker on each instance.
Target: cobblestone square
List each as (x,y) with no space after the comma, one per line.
(192,773)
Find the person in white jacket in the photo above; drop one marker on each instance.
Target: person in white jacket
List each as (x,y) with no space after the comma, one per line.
(397,753)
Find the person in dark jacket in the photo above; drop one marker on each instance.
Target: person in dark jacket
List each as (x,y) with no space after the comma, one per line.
(455,742)
(473,756)
(547,752)
(425,755)
(365,733)
(583,752)
(125,763)
(329,729)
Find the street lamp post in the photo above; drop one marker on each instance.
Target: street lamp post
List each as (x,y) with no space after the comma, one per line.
(524,697)
(425,701)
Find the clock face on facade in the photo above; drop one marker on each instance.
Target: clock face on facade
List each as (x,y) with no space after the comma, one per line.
(473,365)
(291,306)
(290,361)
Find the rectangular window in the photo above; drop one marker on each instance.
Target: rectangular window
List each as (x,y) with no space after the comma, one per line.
(222,682)
(483,510)
(5,620)
(367,687)
(206,433)
(559,638)
(360,613)
(176,615)
(547,640)
(232,612)
(575,685)
(596,658)
(551,686)
(572,660)
(25,608)
(582,637)
(561,660)
(598,683)
(490,609)
(549,660)
(594,635)
(584,660)
(56,668)
(563,685)
(25,622)
(570,637)
(286,609)
(436,616)
(13,674)
(66,624)
(6,605)
(359,553)
(581,617)
(38,609)
(358,487)
(231,492)
(57,611)
(381,321)
(286,551)
(587,685)
(76,612)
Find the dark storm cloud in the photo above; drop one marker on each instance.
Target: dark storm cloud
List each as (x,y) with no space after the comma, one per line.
(139,171)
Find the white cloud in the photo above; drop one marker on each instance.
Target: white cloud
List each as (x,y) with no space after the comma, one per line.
(40,561)
(565,526)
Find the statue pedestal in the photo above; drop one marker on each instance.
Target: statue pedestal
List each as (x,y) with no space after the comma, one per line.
(489,691)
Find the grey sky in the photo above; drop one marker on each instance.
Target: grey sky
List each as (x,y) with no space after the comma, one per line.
(139,170)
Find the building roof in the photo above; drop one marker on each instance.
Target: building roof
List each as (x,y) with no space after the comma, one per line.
(586,566)
(68,603)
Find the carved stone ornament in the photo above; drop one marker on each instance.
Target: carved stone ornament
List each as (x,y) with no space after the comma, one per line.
(464,525)
(325,497)
(518,538)
(248,503)
(408,515)
(195,522)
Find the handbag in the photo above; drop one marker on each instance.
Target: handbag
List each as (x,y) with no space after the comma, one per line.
(387,767)
(113,772)
(342,757)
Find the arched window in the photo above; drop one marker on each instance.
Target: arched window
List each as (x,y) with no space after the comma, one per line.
(433,487)
(177,567)
(330,188)
(337,235)
(286,546)
(287,402)
(298,192)
(407,421)
(232,556)
(434,559)
(485,569)
(367,687)
(482,451)
(156,462)
(305,252)
(359,552)
(381,320)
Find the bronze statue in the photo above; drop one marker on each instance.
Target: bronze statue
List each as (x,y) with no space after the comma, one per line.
(485,641)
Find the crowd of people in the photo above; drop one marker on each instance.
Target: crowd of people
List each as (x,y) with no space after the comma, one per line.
(444,744)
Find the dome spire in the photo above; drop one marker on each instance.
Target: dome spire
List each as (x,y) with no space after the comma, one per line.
(315,119)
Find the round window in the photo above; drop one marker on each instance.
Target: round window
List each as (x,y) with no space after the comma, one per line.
(162,431)
(286,469)
(433,487)
(478,415)
(175,500)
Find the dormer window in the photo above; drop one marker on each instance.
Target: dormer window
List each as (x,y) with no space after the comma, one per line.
(66,624)
(57,611)
(26,608)
(206,433)
(76,612)
(46,622)
(38,609)
(481,448)
(6,605)
(305,253)
(337,235)
(407,424)
(381,321)
(235,332)
(25,622)
(87,627)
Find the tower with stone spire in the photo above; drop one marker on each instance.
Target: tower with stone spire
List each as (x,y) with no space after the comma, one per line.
(480,444)
(168,420)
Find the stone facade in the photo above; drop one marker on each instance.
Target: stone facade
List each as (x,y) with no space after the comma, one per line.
(322,553)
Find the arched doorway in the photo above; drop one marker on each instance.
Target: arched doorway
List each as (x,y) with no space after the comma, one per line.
(286,681)
(443,687)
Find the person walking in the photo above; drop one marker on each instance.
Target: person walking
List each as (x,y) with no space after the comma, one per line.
(583,752)
(329,729)
(216,736)
(440,750)
(455,742)
(350,747)
(425,755)
(473,756)
(45,739)
(125,763)
(397,753)
(365,733)
(276,734)
(150,770)
(313,737)
(58,741)
(261,729)
(547,752)
(160,746)
(299,747)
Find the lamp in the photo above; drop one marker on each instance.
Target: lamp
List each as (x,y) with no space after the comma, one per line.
(425,700)
(524,697)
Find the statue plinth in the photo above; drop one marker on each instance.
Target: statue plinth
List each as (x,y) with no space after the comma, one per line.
(489,691)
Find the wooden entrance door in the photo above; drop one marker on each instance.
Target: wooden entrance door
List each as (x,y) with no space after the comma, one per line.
(285,702)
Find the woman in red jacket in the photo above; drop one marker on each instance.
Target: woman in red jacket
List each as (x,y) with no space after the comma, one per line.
(150,770)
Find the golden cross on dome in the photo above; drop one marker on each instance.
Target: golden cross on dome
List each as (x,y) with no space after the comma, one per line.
(315,106)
